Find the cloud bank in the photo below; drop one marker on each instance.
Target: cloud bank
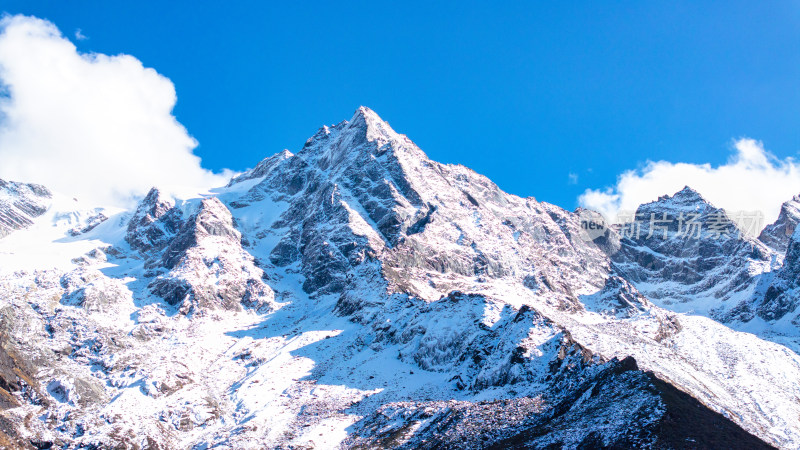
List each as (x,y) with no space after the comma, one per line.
(752,180)
(93,126)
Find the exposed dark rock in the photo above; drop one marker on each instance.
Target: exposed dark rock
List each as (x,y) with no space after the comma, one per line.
(208,268)
(783,295)
(419,225)
(690,424)
(617,407)
(154,224)
(617,298)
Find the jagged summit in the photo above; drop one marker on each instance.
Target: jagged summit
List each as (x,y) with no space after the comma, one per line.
(376,128)
(364,139)
(364,120)
(682,207)
(683,250)
(153,223)
(688,193)
(365,117)
(364,136)
(686,197)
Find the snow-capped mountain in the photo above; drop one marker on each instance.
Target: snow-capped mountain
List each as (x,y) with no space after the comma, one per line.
(356,294)
(687,255)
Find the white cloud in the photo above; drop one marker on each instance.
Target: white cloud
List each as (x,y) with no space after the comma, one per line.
(93,126)
(80,36)
(572,178)
(753,180)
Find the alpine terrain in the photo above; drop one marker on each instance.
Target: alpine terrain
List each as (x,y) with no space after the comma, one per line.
(356,294)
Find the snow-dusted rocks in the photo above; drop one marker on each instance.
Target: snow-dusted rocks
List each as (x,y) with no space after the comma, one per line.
(782,298)
(154,223)
(776,235)
(93,291)
(207,266)
(617,405)
(617,298)
(20,203)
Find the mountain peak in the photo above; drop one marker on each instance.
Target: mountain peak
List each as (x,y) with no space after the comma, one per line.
(688,194)
(365,119)
(791,206)
(365,115)
(365,268)
(686,198)
(365,135)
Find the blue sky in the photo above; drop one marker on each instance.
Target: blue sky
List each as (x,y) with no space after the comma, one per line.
(525,92)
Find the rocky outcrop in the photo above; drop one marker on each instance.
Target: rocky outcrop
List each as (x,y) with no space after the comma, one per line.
(94,292)
(783,295)
(617,406)
(776,235)
(154,223)
(199,262)
(16,381)
(618,298)
(206,266)
(20,203)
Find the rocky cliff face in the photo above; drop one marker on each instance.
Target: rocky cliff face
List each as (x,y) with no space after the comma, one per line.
(782,298)
(357,294)
(154,224)
(776,235)
(198,262)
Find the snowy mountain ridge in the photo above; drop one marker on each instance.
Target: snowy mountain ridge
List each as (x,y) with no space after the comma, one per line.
(356,294)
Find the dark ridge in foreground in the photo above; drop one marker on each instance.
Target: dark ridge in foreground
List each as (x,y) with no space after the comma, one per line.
(690,424)
(621,407)
(687,424)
